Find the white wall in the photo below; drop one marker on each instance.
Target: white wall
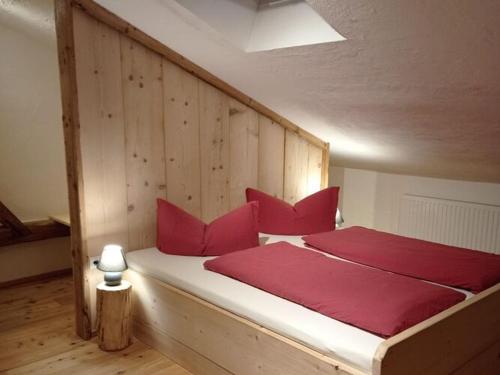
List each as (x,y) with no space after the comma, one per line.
(34,258)
(32,167)
(234,19)
(372,199)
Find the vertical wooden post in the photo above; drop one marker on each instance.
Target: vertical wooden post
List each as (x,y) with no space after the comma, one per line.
(325,166)
(69,97)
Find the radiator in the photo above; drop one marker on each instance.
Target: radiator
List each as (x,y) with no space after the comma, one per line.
(464,224)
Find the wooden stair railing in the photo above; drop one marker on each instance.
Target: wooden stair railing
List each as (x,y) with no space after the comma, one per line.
(13,230)
(8,219)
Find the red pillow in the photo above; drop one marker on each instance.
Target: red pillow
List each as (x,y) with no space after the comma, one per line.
(313,214)
(180,233)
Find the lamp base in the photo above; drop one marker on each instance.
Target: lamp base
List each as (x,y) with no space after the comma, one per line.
(113,278)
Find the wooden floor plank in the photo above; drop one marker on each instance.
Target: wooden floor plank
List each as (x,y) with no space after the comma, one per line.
(37,336)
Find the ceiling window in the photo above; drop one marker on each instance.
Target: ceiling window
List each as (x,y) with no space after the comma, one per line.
(263,25)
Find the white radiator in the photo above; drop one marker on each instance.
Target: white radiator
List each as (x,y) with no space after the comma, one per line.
(464,224)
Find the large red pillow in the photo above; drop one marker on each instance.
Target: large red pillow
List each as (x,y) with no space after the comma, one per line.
(180,233)
(313,214)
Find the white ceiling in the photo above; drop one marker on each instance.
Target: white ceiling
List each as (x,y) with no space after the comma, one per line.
(262,26)
(34,18)
(415,89)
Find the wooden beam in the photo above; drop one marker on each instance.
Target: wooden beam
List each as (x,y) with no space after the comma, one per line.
(100,13)
(39,230)
(71,128)
(8,219)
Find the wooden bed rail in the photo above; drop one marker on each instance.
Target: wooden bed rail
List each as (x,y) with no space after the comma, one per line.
(464,339)
(209,340)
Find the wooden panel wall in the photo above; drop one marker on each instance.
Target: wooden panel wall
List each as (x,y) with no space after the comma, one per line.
(102,133)
(153,125)
(144,139)
(182,137)
(243,151)
(271,157)
(150,129)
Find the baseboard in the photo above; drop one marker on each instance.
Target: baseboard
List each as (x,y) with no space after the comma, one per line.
(35,278)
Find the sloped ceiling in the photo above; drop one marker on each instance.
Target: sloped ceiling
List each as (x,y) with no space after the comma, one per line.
(415,89)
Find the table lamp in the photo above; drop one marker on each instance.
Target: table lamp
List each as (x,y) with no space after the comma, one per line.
(112,263)
(339,220)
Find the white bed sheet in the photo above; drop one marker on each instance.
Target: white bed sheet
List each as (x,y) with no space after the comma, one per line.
(284,317)
(325,334)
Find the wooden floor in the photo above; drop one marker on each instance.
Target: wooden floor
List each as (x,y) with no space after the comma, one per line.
(37,337)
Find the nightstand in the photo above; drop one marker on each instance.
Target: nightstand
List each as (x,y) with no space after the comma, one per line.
(114,315)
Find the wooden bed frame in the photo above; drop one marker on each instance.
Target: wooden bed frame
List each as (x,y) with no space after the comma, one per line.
(207,339)
(119,207)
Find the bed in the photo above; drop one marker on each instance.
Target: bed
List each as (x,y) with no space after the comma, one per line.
(115,176)
(229,327)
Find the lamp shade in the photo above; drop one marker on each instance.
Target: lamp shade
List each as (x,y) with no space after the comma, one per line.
(112,259)
(339,220)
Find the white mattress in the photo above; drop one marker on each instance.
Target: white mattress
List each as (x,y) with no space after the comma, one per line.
(327,335)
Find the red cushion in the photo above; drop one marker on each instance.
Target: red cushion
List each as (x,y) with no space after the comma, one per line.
(374,300)
(313,214)
(180,233)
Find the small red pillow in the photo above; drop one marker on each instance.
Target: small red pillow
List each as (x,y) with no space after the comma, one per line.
(180,233)
(313,214)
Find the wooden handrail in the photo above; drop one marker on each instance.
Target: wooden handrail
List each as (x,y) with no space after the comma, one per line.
(8,219)
(38,230)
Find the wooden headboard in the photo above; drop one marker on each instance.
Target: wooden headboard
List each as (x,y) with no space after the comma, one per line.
(142,122)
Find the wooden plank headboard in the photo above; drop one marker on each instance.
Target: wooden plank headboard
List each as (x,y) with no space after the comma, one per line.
(142,122)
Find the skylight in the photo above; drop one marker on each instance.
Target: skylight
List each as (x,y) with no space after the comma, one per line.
(263,25)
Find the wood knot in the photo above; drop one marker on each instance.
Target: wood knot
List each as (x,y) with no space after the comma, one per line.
(130,208)
(130,77)
(189,197)
(141,85)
